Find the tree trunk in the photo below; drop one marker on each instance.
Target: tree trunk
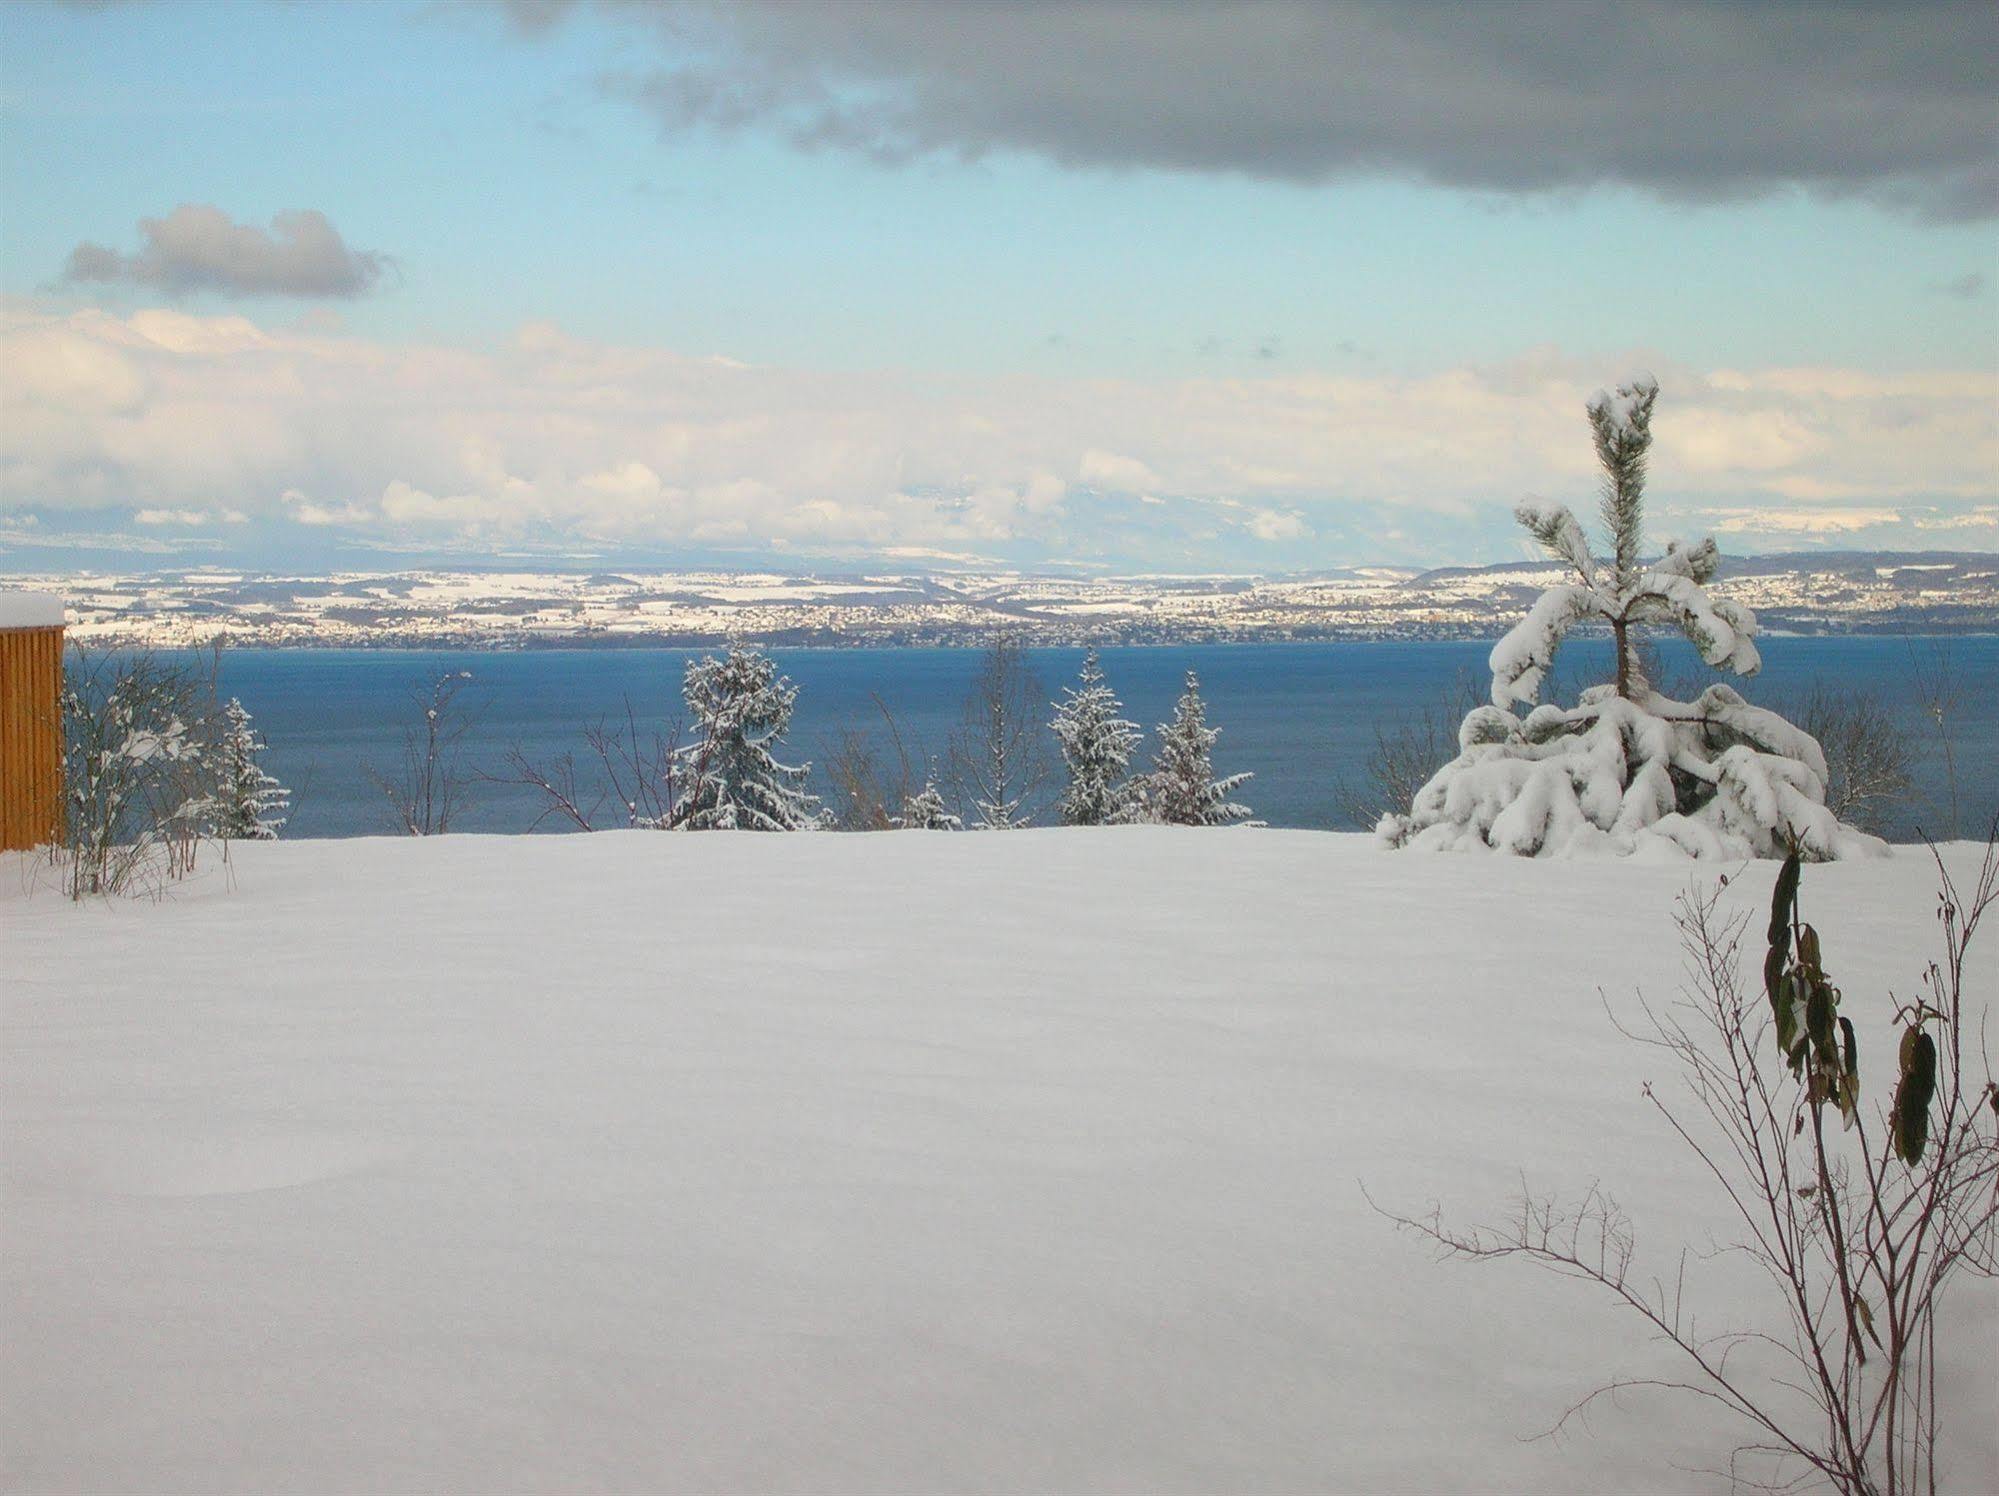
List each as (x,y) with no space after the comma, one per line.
(1621,631)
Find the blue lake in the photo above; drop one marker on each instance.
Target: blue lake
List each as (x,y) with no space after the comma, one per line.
(1300,716)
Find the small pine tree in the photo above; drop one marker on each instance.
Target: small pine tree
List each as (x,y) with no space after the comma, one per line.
(1096,747)
(1182,789)
(741,708)
(1619,590)
(249,802)
(926,811)
(1626,767)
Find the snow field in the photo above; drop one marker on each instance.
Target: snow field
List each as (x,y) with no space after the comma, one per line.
(857,1163)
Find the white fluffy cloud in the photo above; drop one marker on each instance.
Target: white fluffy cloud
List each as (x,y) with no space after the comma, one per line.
(1113,471)
(1270,525)
(554,438)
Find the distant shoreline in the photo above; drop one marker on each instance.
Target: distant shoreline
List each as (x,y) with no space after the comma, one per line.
(969,640)
(1844,594)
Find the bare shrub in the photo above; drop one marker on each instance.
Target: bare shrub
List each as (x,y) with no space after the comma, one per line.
(633,783)
(1405,755)
(427,786)
(1866,752)
(872,775)
(1860,1216)
(1940,692)
(999,754)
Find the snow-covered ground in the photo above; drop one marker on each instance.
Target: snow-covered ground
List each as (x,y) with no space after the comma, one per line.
(815,1163)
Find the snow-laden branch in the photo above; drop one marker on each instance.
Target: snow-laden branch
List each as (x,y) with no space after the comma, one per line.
(1561,534)
(1723,632)
(1714,777)
(1521,660)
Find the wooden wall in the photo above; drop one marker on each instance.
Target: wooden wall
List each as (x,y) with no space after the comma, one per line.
(30,737)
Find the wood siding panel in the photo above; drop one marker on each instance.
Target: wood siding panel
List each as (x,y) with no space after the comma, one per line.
(30,737)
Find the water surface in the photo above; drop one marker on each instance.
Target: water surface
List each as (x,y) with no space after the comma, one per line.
(1302,717)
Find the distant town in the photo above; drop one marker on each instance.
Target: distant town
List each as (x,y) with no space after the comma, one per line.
(1847,592)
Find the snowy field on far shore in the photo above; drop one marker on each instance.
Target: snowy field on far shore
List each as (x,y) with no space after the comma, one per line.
(863,1163)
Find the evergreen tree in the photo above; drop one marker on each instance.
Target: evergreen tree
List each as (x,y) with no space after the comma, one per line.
(1096,747)
(1617,590)
(1182,789)
(742,708)
(1626,768)
(926,811)
(249,803)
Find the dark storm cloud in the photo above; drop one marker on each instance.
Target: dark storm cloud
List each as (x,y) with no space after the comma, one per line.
(200,248)
(1696,99)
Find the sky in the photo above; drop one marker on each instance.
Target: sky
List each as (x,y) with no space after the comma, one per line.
(1264,286)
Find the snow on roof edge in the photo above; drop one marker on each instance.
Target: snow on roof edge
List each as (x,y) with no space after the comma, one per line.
(30,610)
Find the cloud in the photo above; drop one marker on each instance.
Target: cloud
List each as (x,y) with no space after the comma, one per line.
(190,517)
(303,510)
(1690,99)
(1810,522)
(26,537)
(1982,517)
(553,440)
(407,507)
(1966,287)
(1118,473)
(1270,525)
(931,553)
(198,247)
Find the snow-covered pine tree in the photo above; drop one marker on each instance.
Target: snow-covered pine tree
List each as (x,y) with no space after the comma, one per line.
(1096,747)
(1619,591)
(1626,768)
(249,803)
(1182,789)
(925,811)
(733,782)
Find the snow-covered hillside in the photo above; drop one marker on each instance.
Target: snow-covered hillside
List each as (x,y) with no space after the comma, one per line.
(899,1162)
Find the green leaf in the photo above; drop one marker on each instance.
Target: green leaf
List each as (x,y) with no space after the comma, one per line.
(1910,1129)
(1818,1023)
(1808,947)
(1790,998)
(1783,900)
(1849,1080)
